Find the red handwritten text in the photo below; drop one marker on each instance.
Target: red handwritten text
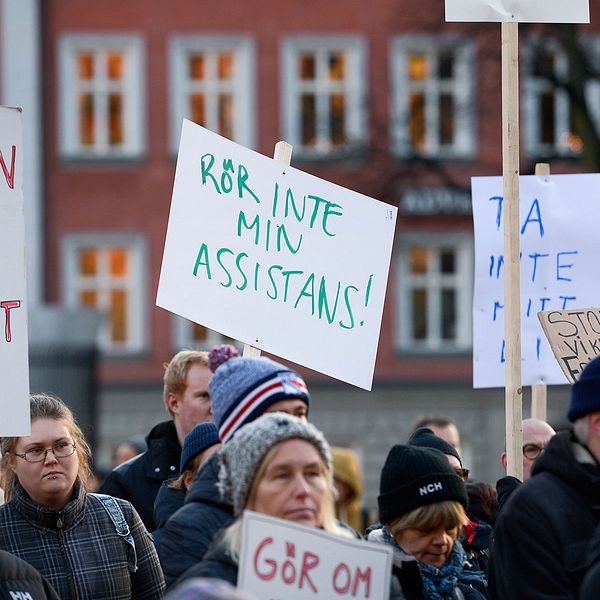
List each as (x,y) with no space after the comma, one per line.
(9,176)
(8,305)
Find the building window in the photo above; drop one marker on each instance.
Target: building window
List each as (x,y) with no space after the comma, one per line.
(324,95)
(198,337)
(433,103)
(549,124)
(212,84)
(101,108)
(107,273)
(434,291)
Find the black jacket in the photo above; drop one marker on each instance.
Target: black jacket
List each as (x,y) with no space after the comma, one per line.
(139,479)
(18,579)
(541,535)
(188,534)
(218,563)
(168,501)
(590,588)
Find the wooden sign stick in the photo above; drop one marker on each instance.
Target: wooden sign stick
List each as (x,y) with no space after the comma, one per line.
(539,392)
(512,284)
(283,153)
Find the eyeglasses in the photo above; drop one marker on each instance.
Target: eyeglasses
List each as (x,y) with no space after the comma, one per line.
(60,450)
(532,451)
(462,473)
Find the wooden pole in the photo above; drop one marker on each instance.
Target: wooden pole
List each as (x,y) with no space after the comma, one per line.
(512,286)
(539,392)
(283,154)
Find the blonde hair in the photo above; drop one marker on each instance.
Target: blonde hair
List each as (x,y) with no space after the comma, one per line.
(176,371)
(448,514)
(46,406)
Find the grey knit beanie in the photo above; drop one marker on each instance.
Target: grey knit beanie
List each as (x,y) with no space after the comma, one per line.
(241,389)
(241,457)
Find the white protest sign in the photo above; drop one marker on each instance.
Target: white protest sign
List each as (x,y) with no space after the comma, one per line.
(523,11)
(559,261)
(276,258)
(281,559)
(14,365)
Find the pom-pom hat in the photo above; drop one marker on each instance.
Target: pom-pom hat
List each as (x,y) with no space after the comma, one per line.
(585,392)
(241,389)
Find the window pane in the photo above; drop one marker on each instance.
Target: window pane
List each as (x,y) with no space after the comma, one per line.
(118,262)
(417,67)
(197,109)
(118,316)
(418,260)
(446,64)
(88,262)
(309,125)
(225,65)
(448,314)
(419,314)
(199,333)
(306,66)
(114,65)
(226,115)
(86,119)
(337,66)
(544,64)
(88,298)
(447,261)
(446,119)
(115,103)
(417,121)
(85,65)
(546,114)
(337,115)
(196,66)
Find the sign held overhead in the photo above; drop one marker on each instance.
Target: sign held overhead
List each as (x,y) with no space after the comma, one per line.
(523,11)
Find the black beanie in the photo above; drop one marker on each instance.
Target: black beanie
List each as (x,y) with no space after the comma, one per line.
(425,438)
(585,392)
(412,477)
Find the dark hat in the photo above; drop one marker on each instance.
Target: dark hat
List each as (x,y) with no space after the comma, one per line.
(425,438)
(585,392)
(412,477)
(200,438)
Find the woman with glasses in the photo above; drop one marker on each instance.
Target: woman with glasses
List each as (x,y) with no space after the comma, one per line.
(86,545)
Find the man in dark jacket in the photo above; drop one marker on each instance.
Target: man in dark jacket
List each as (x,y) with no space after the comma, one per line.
(543,532)
(241,389)
(18,579)
(187,400)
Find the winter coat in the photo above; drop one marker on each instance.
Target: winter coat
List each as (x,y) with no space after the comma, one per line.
(477,540)
(168,501)
(590,587)
(188,534)
(77,549)
(218,563)
(541,535)
(18,579)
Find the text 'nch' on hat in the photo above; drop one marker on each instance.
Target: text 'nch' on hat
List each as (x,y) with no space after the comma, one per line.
(242,389)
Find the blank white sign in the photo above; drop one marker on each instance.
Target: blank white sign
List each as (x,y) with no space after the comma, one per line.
(523,11)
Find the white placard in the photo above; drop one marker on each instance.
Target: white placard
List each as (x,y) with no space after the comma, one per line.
(281,559)
(14,365)
(559,265)
(276,258)
(523,11)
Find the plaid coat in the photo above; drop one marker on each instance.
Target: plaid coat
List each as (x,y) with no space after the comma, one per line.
(78,550)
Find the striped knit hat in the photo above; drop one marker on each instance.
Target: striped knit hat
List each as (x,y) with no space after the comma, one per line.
(241,389)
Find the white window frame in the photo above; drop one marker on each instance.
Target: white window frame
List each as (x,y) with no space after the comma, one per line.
(242,86)
(354,88)
(133,86)
(463,285)
(461,86)
(137,312)
(182,337)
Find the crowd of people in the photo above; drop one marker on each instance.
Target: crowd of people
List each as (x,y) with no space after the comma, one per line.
(167,522)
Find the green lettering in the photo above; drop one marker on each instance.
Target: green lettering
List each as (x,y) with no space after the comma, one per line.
(242,222)
(289,200)
(238,260)
(287,274)
(330,211)
(219,252)
(347,303)
(202,260)
(241,183)
(282,233)
(324,303)
(318,202)
(310,283)
(270,275)
(205,170)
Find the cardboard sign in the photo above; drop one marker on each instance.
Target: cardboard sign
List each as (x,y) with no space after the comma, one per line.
(276,258)
(281,559)
(559,256)
(574,336)
(523,11)
(14,365)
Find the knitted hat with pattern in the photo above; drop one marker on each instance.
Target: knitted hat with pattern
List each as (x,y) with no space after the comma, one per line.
(241,389)
(241,457)
(200,438)
(412,477)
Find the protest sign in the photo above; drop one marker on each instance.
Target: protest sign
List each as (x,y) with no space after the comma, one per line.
(574,336)
(14,367)
(559,248)
(524,11)
(281,559)
(276,258)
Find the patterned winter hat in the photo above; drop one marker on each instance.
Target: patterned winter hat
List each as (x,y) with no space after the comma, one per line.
(241,457)
(200,438)
(241,389)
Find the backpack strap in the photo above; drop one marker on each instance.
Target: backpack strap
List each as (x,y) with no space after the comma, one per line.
(121,526)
